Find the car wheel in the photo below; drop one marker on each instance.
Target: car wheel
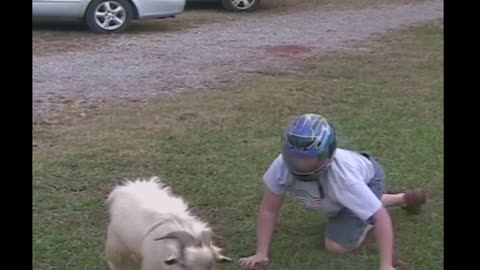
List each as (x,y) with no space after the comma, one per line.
(240,5)
(109,16)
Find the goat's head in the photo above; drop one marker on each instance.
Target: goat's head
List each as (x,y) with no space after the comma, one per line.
(194,254)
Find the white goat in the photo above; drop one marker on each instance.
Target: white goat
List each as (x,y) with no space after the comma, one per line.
(152,229)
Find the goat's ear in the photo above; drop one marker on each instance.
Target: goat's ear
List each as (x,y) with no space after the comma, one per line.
(171,260)
(218,255)
(221,258)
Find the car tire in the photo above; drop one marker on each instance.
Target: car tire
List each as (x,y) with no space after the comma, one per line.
(109,16)
(240,5)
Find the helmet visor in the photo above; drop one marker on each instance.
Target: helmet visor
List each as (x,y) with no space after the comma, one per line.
(304,166)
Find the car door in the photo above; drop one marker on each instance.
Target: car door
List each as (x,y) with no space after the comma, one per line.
(58,8)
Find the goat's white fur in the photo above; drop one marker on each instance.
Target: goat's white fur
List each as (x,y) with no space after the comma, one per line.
(144,210)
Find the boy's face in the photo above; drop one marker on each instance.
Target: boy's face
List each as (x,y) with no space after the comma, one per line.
(307,165)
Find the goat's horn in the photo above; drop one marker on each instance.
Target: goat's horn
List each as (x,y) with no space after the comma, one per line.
(185,239)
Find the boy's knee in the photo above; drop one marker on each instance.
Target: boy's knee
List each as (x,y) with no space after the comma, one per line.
(335,248)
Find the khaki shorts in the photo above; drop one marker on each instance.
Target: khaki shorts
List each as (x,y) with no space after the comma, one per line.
(345,228)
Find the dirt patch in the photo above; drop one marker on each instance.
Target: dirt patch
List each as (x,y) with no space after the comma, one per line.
(288,50)
(142,65)
(52,38)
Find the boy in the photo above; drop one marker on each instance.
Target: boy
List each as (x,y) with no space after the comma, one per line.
(345,186)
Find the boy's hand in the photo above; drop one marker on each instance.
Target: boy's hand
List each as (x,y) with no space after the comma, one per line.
(257,260)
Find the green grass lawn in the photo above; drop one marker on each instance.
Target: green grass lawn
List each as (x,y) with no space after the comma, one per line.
(213,147)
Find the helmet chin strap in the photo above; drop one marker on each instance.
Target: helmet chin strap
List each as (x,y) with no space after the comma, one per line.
(312,178)
(307,177)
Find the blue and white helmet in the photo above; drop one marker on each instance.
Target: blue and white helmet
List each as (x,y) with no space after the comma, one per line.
(308,146)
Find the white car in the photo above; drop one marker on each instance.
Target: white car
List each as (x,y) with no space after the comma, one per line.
(234,5)
(106,16)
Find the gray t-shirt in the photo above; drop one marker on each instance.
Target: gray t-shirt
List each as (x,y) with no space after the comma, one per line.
(344,184)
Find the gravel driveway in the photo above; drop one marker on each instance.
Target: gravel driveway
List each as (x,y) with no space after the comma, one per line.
(146,65)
